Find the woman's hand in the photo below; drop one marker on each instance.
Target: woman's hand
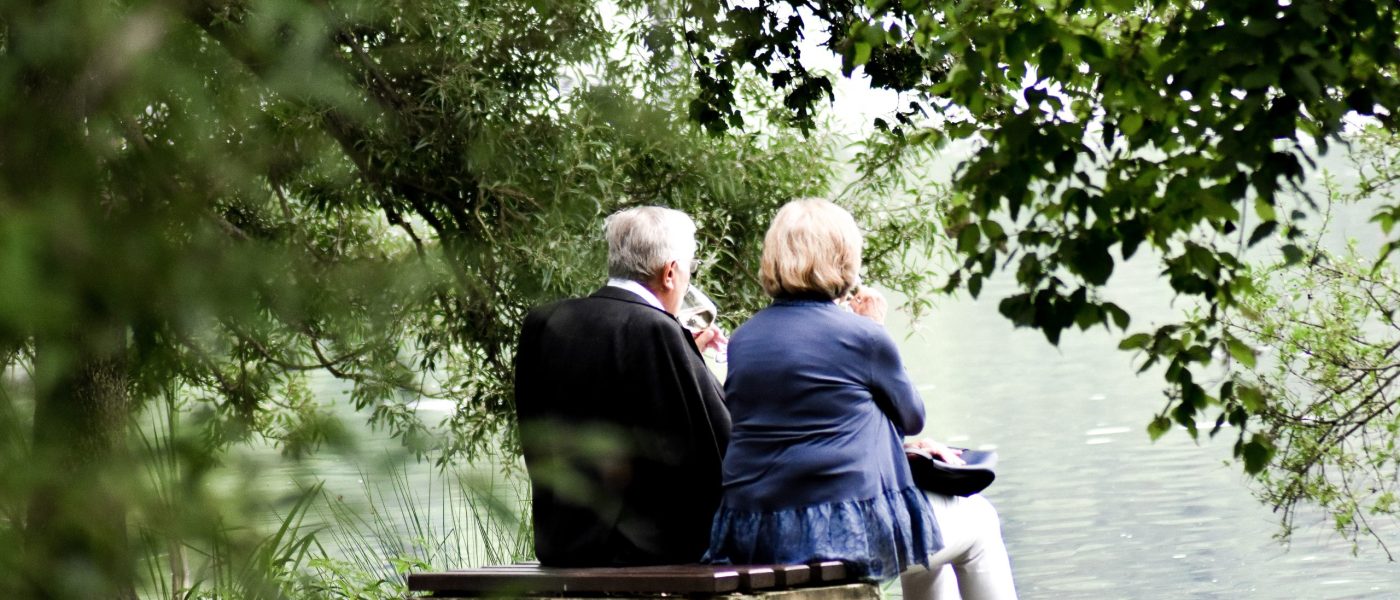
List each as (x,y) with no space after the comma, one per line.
(870,303)
(952,456)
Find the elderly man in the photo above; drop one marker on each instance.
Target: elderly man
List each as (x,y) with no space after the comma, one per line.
(622,426)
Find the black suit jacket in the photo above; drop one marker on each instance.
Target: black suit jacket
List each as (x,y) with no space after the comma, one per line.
(623,429)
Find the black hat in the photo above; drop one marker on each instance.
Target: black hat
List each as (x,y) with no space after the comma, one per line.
(934,475)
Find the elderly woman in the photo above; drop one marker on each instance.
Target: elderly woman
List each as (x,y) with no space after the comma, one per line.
(820,402)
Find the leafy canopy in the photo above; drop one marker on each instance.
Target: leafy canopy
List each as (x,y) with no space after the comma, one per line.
(1098,128)
(212,201)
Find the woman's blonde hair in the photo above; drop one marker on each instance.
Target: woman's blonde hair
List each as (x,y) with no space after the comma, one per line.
(812,247)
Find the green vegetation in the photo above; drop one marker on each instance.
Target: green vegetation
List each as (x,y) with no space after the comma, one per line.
(1326,382)
(348,544)
(217,200)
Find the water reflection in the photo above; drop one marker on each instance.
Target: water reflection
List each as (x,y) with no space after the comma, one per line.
(1091,508)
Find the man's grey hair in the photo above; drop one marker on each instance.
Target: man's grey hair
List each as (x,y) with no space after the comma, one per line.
(642,239)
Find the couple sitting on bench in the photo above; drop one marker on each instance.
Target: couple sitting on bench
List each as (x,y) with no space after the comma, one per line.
(638,457)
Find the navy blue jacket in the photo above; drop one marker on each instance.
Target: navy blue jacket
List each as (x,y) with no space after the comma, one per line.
(820,402)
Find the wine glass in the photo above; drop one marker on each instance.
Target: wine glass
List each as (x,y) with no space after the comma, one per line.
(698,313)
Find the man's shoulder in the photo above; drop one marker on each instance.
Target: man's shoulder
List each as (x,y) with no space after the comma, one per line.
(607,303)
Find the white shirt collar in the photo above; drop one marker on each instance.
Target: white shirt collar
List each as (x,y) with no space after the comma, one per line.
(638,289)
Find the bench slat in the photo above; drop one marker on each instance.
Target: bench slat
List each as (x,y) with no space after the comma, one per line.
(757,578)
(751,577)
(791,575)
(829,571)
(532,579)
(492,581)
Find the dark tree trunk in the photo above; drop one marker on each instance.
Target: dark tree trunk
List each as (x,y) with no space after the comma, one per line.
(77,518)
(75,539)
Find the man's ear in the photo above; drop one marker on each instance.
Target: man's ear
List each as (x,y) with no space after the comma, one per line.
(670,276)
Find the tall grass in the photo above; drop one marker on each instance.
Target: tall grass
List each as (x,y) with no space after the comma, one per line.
(453,519)
(193,542)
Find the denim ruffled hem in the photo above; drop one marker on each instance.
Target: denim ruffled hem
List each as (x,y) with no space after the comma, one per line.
(879,536)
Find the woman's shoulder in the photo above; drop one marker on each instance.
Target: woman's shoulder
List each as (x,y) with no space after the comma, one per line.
(786,315)
(791,322)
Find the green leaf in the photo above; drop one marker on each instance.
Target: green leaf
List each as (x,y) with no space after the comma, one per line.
(1089,257)
(873,35)
(1120,316)
(1261,27)
(1088,316)
(1308,81)
(1090,48)
(862,55)
(992,230)
(1260,77)
(1158,427)
(1130,124)
(1185,415)
(1131,235)
(972,59)
(1050,58)
(1257,453)
(1019,309)
(1361,101)
(1136,341)
(1240,351)
(968,239)
(1313,13)
(1386,250)
(1251,398)
(1386,219)
(1292,254)
(1264,230)
(1265,210)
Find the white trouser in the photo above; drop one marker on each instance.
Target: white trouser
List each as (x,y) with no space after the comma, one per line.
(973,563)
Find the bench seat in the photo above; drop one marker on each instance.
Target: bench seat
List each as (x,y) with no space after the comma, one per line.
(533,580)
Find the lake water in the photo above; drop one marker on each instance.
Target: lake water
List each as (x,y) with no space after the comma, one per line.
(1090,507)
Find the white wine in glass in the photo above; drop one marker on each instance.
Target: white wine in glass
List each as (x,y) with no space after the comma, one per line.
(698,313)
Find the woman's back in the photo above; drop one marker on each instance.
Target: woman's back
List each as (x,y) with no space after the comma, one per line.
(820,401)
(815,468)
(807,410)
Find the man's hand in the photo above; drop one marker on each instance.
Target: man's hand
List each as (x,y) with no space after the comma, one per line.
(952,456)
(713,337)
(870,303)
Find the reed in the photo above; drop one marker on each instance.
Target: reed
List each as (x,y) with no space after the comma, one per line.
(190,541)
(445,519)
(193,541)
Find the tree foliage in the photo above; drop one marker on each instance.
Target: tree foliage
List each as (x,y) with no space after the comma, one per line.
(1326,372)
(1331,412)
(1099,128)
(214,200)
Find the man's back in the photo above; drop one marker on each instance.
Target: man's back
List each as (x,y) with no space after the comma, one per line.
(623,431)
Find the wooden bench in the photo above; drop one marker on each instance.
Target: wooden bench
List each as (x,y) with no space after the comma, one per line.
(817,581)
